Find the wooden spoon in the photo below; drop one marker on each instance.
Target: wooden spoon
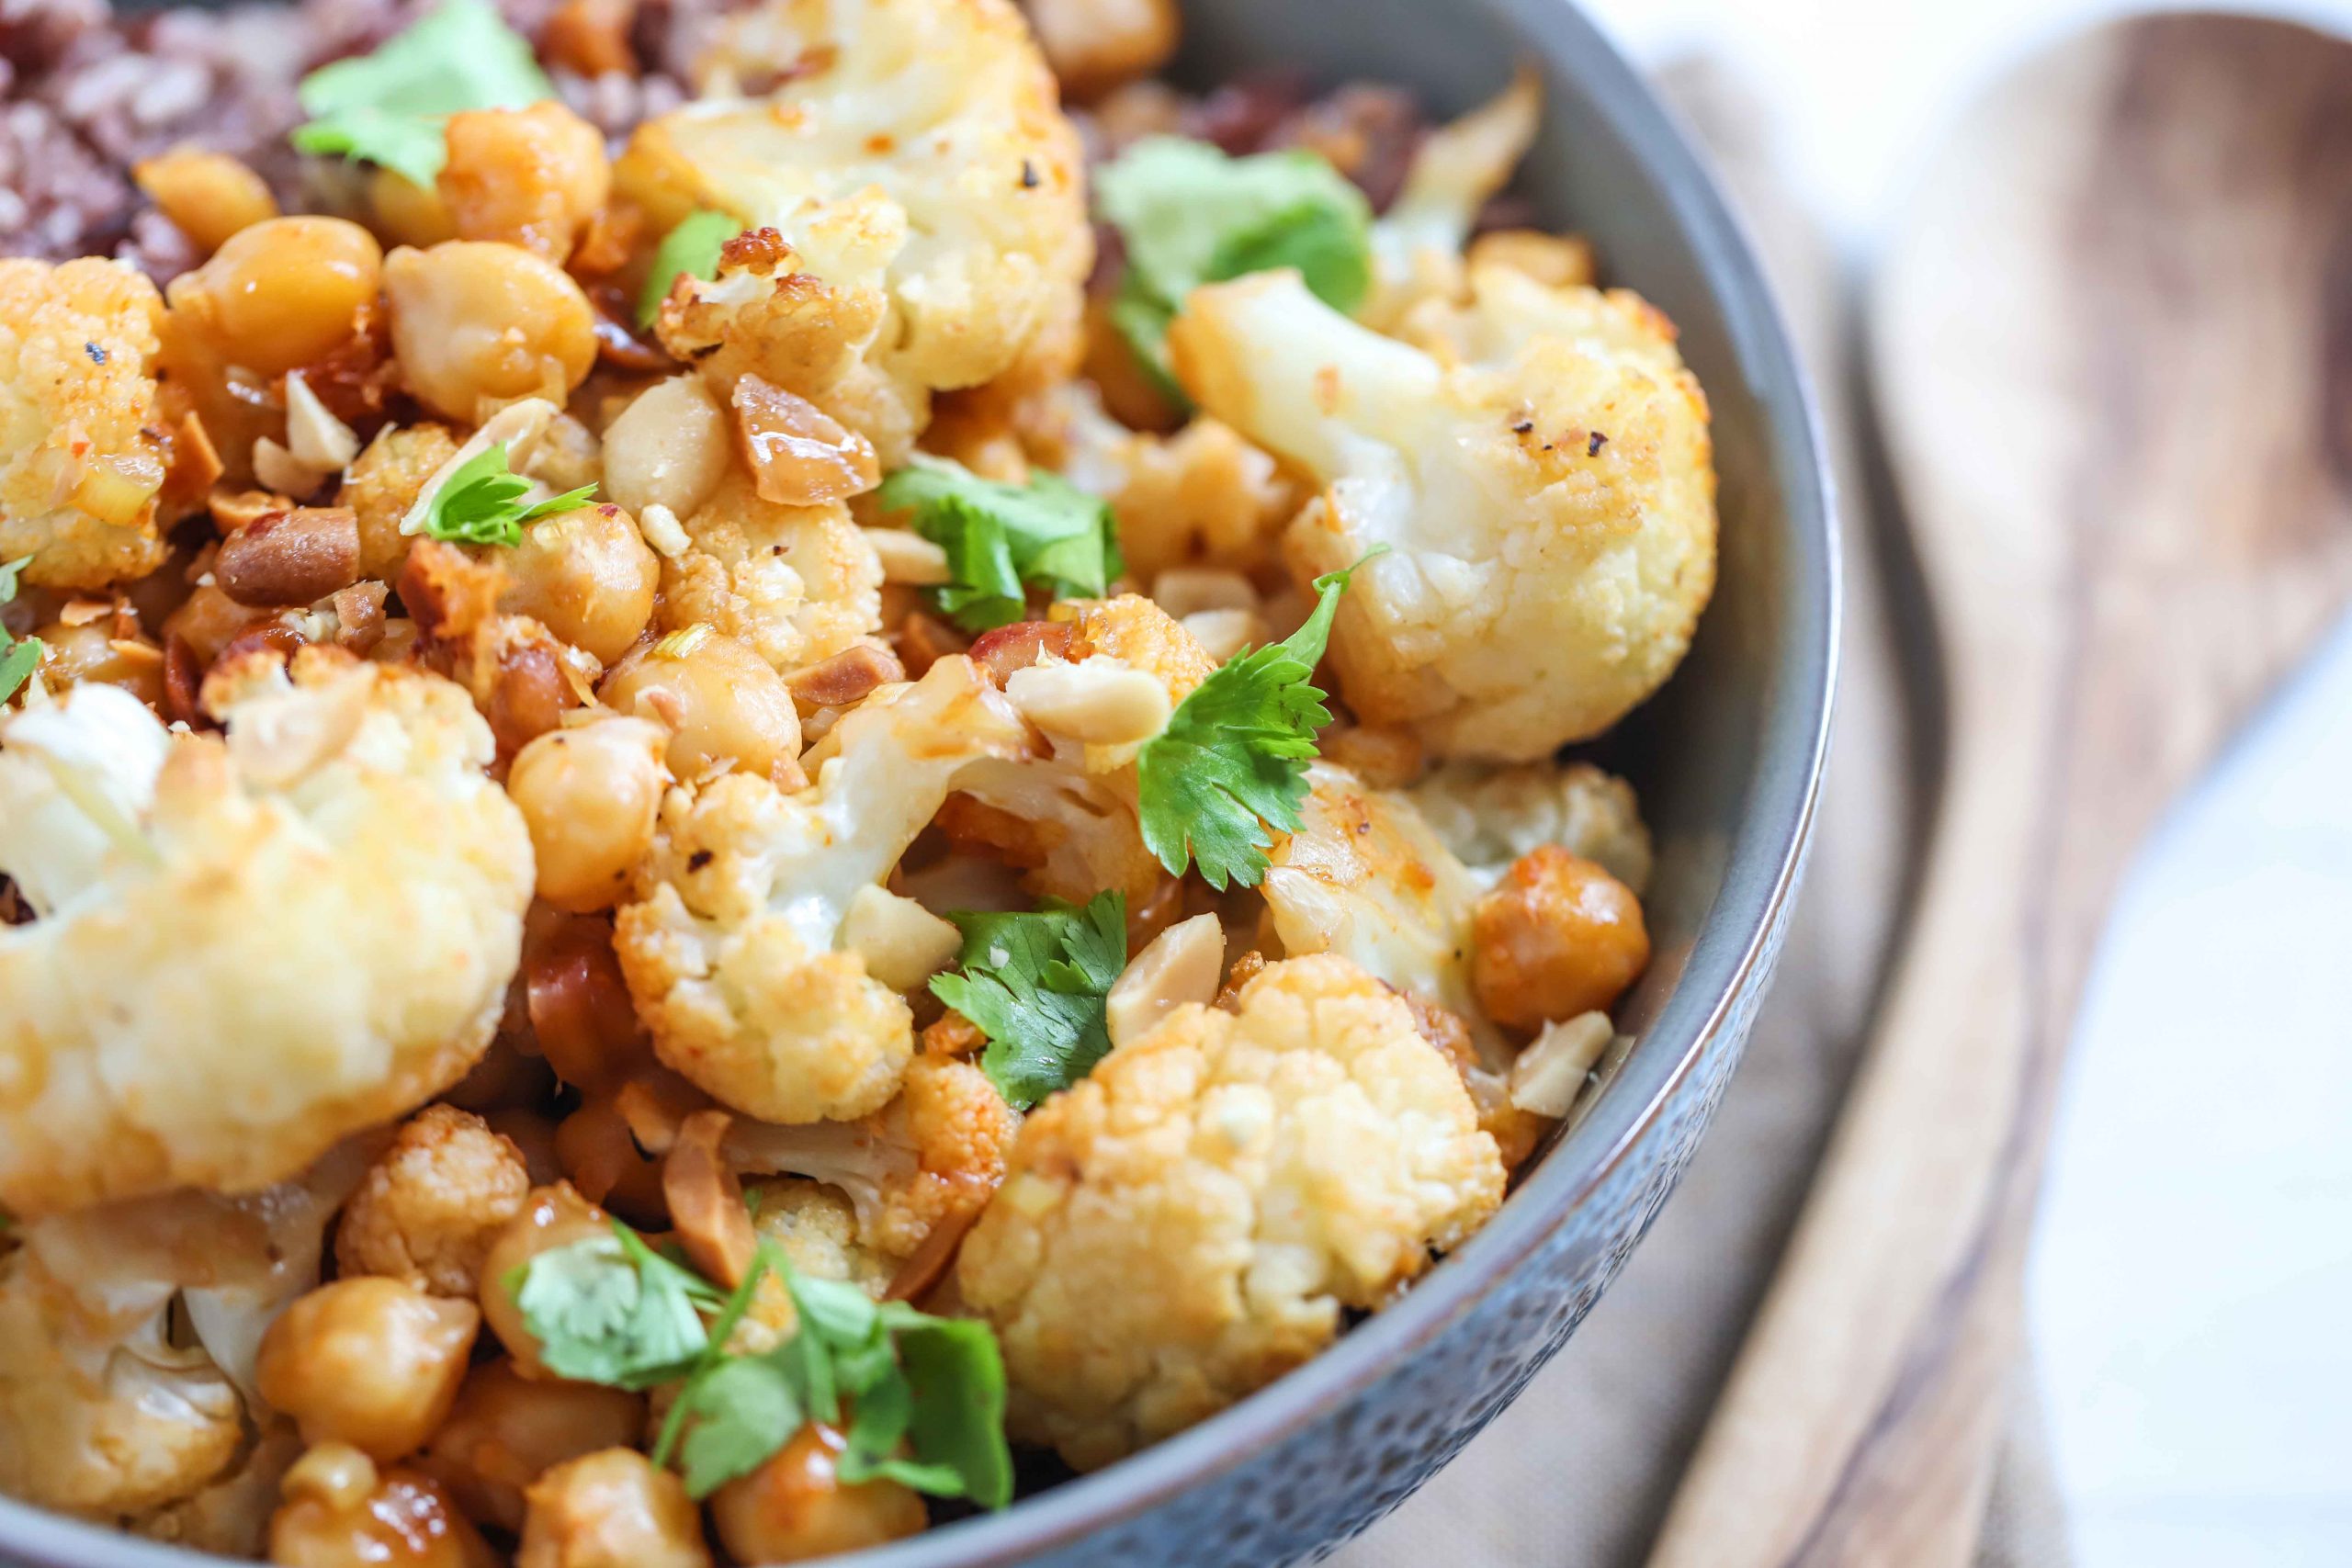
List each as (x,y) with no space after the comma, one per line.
(2112,349)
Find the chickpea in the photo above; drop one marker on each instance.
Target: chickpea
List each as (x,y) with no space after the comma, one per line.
(555,1217)
(1556,937)
(588,795)
(532,177)
(477,325)
(93,655)
(282,293)
(207,196)
(587,576)
(670,448)
(721,703)
(795,1506)
(368,1361)
(407,213)
(341,1513)
(612,1510)
(508,1430)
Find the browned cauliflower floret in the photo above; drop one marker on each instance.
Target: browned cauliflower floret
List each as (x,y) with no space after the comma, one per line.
(1202,497)
(797,583)
(1490,817)
(1536,461)
(80,462)
(735,951)
(431,1206)
(383,482)
(323,910)
(1458,169)
(1069,818)
(817,1227)
(1192,1219)
(930,1157)
(912,157)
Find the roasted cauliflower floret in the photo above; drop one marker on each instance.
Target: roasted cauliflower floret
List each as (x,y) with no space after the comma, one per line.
(80,461)
(931,1156)
(431,1206)
(817,1227)
(1490,817)
(1192,1220)
(797,583)
(323,910)
(1202,497)
(734,951)
(1070,819)
(1417,243)
(1539,468)
(99,1413)
(913,156)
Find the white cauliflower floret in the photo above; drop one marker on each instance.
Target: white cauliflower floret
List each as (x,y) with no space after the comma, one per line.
(81,460)
(1417,244)
(817,1227)
(1490,817)
(930,1157)
(797,583)
(100,1412)
(1539,469)
(1192,1219)
(323,912)
(733,950)
(913,156)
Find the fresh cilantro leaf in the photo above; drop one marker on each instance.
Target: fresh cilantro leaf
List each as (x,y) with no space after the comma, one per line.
(481,503)
(1000,538)
(955,1376)
(1188,214)
(609,1309)
(1231,764)
(1034,985)
(18,659)
(388,106)
(691,247)
(739,1413)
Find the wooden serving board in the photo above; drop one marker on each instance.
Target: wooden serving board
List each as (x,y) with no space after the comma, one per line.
(2111,351)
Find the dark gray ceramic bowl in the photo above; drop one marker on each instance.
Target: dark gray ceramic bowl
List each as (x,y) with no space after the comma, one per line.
(1727,760)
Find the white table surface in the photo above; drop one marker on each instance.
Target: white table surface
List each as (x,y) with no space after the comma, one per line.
(2191,1297)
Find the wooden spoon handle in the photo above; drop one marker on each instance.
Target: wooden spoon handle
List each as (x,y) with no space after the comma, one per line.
(2099,353)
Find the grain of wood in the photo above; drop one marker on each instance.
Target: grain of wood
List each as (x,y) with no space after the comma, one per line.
(2111,349)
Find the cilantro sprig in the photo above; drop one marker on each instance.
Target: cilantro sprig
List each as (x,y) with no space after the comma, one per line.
(1188,214)
(1001,539)
(481,503)
(18,660)
(1231,764)
(389,106)
(1034,985)
(918,1399)
(690,249)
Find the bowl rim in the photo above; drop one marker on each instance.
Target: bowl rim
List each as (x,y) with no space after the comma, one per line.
(1762,866)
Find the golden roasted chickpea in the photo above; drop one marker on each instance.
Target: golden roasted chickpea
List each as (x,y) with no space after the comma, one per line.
(367,1361)
(720,702)
(477,325)
(1557,936)
(556,1216)
(612,1510)
(587,576)
(531,177)
(588,793)
(92,655)
(207,196)
(796,1506)
(407,213)
(340,1512)
(508,1430)
(281,293)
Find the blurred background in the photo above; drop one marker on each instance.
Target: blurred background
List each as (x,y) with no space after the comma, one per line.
(2189,1396)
